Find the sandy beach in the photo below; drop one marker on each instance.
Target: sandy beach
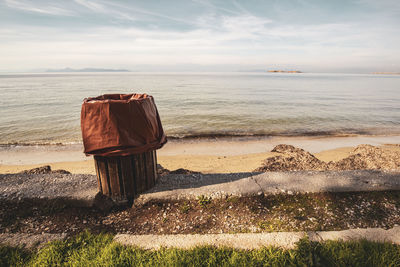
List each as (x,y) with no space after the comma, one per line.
(222,155)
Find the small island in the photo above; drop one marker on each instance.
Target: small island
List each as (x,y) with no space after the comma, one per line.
(286,71)
(387,73)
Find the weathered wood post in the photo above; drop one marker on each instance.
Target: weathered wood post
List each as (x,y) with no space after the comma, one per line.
(123,133)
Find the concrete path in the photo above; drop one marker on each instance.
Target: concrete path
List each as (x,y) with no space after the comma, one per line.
(81,189)
(256,240)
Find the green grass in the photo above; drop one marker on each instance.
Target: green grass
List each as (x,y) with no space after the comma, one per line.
(86,249)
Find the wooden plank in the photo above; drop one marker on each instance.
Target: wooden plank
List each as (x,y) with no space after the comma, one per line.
(146,180)
(114,177)
(140,173)
(128,176)
(97,175)
(149,169)
(121,179)
(134,173)
(143,170)
(103,174)
(154,154)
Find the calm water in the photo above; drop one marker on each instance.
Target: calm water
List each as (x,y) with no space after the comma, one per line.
(45,108)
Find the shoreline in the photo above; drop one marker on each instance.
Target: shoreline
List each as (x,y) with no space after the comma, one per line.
(222,137)
(218,155)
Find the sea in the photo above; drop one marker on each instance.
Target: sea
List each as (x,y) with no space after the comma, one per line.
(44,108)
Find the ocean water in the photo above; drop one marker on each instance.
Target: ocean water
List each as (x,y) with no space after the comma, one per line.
(45,108)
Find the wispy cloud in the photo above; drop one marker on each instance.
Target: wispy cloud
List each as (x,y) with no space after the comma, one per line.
(32,7)
(104,8)
(94,6)
(215,7)
(137,10)
(126,12)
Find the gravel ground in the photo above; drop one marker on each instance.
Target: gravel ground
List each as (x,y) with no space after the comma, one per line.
(242,202)
(80,188)
(269,213)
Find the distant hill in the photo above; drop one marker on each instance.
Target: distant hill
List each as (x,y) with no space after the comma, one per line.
(87,70)
(286,71)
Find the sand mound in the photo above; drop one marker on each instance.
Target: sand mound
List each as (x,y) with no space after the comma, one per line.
(292,159)
(370,158)
(362,157)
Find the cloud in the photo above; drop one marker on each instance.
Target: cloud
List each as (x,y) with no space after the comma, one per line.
(215,37)
(30,7)
(127,47)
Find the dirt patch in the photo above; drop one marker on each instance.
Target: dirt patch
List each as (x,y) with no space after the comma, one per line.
(281,212)
(363,157)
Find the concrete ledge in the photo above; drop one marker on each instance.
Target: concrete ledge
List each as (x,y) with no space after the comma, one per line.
(29,240)
(371,234)
(256,240)
(239,241)
(247,184)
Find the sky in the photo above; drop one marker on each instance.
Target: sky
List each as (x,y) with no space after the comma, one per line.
(358,36)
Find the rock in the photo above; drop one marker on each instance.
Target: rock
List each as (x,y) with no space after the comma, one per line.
(44,170)
(103,203)
(161,171)
(39,170)
(183,171)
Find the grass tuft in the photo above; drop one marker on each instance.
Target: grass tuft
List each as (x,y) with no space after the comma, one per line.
(203,201)
(185,207)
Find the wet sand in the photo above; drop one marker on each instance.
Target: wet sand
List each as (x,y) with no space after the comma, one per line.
(223,155)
